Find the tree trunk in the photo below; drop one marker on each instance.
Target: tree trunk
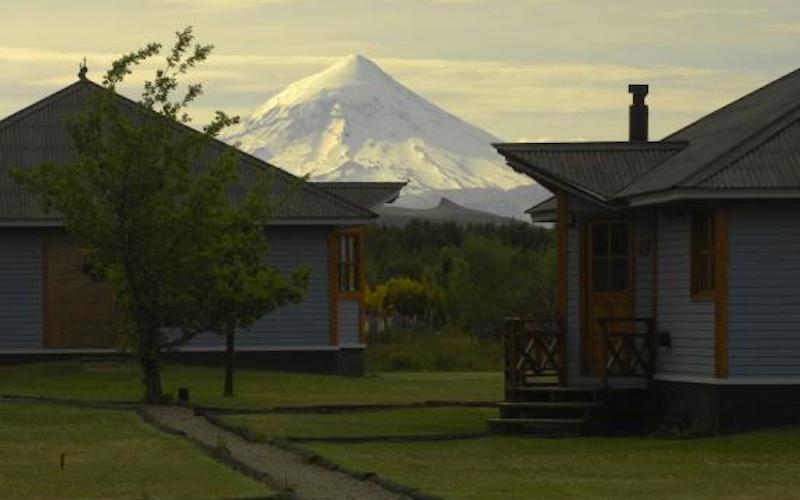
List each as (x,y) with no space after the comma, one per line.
(230,354)
(152,380)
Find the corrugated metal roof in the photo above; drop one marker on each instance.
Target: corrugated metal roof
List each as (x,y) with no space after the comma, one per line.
(366,194)
(774,164)
(545,211)
(728,133)
(548,205)
(599,168)
(37,134)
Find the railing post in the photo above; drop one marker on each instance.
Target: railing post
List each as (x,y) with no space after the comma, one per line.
(604,351)
(653,348)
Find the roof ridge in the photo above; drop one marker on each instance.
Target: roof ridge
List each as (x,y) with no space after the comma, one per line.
(735,101)
(655,166)
(44,101)
(754,141)
(592,146)
(218,144)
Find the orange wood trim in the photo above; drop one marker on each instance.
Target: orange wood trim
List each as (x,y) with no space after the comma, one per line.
(563,222)
(721,292)
(362,285)
(335,294)
(333,288)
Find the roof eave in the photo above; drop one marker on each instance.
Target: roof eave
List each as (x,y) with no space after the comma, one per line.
(544,177)
(675,195)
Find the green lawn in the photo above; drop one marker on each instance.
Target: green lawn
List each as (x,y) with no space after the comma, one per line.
(757,465)
(254,388)
(416,422)
(109,454)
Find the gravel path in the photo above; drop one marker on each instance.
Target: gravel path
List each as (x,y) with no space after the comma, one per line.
(286,468)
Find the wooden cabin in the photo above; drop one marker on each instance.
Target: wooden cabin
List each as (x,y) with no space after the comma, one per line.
(679,275)
(51,309)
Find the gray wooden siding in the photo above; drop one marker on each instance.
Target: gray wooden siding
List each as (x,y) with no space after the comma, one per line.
(299,325)
(690,323)
(348,322)
(764,291)
(20,290)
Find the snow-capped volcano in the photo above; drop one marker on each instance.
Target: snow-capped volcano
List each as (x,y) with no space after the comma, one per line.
(354,122)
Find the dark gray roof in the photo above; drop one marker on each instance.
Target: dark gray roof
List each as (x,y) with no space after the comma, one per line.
(544,211)
(775,164)
(751,144)
(445,211)
(366,194)
(38,134)
(598,169)
(722,138)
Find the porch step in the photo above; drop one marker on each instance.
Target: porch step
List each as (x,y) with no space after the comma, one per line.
(547,409)
(542,427)
(553,394)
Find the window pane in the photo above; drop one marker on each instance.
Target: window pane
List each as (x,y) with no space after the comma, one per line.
(619,239)
(600,275)
(619,274)
(600,239)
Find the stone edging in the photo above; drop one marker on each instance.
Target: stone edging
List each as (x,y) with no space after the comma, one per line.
(224,457)
(346,408)
(80,403)
(316,459)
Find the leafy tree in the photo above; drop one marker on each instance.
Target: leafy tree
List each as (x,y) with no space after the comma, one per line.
(147,199)
(238,286)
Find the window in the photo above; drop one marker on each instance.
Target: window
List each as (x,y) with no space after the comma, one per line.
(702,254)
(349,272)
(610,264)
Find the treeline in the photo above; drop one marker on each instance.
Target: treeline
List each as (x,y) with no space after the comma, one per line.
(468,278)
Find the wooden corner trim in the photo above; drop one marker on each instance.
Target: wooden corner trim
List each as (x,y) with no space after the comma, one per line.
(721,266)
(333,282)
(563,222)
(335,295)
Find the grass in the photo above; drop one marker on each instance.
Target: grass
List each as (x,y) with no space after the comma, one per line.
(254,388)
(431,351)
(109,454)
(416,422)
(757,465)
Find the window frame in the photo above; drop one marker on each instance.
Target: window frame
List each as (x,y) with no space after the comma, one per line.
(348,245)
(696,280)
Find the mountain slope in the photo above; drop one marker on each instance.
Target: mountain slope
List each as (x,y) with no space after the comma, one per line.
(353,122)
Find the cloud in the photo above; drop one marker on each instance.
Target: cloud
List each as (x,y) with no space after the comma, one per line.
(784,28)
(690,12)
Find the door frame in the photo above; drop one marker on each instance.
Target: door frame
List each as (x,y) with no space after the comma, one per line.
(585,292)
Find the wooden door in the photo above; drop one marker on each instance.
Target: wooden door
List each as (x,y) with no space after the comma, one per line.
(609,285)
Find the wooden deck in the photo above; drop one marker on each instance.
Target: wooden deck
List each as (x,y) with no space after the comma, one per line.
(540,401)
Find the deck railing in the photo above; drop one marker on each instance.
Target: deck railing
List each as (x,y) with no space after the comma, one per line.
(534,353)
(629,347)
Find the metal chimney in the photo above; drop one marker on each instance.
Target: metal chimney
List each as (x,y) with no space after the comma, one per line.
(637,129)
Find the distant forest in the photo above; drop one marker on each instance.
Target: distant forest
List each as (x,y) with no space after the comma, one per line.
(444,276)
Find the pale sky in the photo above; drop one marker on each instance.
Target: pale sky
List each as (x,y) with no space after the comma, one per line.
(533,69)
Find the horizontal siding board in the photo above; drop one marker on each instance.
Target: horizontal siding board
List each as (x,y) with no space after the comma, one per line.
(348,319)
(297,325)
(20,289)
(764,291)
(690,323)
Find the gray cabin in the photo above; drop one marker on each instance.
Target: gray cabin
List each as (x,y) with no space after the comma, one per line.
(679,273)
(50,308)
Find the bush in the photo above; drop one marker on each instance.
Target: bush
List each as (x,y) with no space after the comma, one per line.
(431,351)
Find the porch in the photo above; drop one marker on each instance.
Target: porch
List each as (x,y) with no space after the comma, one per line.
(610,386)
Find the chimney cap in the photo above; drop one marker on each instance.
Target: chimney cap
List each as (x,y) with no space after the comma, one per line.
(638,88)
